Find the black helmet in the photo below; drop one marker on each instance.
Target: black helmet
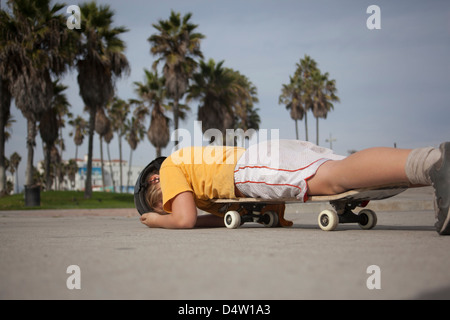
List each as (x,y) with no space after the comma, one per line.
(142,183)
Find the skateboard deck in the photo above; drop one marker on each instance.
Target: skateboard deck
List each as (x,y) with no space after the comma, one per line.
(252,209)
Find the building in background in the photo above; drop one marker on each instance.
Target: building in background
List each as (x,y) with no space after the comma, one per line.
(111,172)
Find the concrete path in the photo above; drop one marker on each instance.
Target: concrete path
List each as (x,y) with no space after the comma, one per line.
(119,258)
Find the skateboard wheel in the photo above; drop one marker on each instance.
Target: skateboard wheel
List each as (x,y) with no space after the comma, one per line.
(270,219)
(232,219)
(368,219)
(328,220)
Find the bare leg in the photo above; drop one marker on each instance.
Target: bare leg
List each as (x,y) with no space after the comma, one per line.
(366,168)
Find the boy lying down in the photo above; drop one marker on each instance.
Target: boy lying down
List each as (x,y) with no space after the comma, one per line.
(169,190)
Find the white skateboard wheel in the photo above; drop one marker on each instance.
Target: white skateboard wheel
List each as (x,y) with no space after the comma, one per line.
(232,219)
(270,219)
(369,217)
(328,220)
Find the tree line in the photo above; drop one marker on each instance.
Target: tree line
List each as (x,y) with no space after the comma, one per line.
(37,49)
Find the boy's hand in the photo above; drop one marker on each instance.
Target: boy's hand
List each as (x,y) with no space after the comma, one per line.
(184,215)
(150,219)
(145,219)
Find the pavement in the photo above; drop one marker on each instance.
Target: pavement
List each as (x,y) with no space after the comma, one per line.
(119,258)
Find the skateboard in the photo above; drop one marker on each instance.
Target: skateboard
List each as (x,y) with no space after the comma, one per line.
(342,212)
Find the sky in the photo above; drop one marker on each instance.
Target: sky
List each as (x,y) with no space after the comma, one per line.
(393,82)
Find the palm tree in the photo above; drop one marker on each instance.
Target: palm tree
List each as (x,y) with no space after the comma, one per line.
(291,96)
(153,92)
(212,86)
(58,168)
(50,125)
(135,134)
(101,62)
(109,135)
(5,104)
(245,115)
(79,131)
(14,161)
(324,93)
(177,45)
(48,129)
(304,81)
(72,169)
(33,48)
(226,98)
(61,105)
(102,126)
(118,112)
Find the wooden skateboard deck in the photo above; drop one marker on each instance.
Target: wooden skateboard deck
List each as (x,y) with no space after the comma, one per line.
(342,203)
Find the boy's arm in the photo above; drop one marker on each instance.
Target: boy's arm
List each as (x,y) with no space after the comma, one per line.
(183,216)
(152,220)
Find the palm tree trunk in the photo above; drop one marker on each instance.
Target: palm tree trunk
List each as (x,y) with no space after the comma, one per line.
(57,182)
(2,153)
(296,129)
(129,169)
(175,120)
(61,148)
(111,169)
(101,161)
(31,136)
(48,181)
(88,185)
(306,126)
(120,161)
(5,103)
(317,131)
(61,143)
(16,182)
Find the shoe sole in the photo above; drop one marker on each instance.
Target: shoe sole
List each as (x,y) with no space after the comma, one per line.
(440,176)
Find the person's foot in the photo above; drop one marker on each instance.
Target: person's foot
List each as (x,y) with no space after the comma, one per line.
(440,177)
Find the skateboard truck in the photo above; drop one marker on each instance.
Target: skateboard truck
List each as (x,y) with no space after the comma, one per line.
(343,213)
(249,212)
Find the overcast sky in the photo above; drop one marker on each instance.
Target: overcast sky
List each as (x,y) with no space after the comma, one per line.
(393,82)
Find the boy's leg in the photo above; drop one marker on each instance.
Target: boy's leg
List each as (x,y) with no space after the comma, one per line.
(378,166)
(366,168)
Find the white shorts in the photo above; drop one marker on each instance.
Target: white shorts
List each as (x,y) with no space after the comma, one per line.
(279,168)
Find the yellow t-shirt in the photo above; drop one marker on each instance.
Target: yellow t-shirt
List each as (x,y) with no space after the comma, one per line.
(208,172)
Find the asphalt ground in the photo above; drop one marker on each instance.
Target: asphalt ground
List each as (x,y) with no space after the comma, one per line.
(119,258)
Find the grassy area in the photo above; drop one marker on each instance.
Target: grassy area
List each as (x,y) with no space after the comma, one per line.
(70,200)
